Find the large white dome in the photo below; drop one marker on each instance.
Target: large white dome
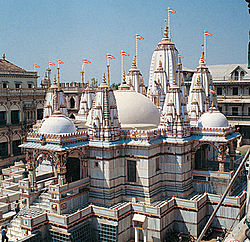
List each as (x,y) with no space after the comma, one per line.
(136,111)
(57,124)
(213,119)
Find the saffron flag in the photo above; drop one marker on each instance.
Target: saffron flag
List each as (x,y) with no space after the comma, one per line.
(180,56)
(60,62)
(36,66)
(124,53)
(86,61)
(110,56)
(202,59)
(138,37)
(51,63)
(170,10)
(207,33)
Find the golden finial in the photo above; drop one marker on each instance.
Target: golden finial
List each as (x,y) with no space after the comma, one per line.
(174,82)
(104,78)
(123,77)
(134,61)
(166,32)
(202,55)
(3,56)
(54,81)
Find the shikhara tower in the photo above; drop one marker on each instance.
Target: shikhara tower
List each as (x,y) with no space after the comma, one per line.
(201,94)
(163,68)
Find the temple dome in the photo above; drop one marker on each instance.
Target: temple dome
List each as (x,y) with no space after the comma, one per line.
(213,119)
(57,124)
(136,111)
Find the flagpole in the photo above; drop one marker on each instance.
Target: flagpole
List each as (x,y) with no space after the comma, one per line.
(169,24)
(108,72)
(58,73)
(82,72)
(49,70)
(121,68)
(205,46)
(136,50)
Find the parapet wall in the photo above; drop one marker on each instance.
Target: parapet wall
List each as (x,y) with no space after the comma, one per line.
(179,214)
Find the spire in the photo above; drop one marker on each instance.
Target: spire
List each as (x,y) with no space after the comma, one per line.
(135,79)
(103,117)
(174,115)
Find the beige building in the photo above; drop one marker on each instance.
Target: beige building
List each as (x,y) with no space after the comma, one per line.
(21,104)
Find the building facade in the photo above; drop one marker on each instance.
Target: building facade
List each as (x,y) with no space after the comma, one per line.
(21,104)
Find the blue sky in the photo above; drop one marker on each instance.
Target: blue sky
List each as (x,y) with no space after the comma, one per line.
(35,31)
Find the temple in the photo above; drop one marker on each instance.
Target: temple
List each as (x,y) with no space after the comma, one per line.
(132,165)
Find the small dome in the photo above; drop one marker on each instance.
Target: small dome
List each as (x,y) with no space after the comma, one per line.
(213,119)
(57,124)
(136,111)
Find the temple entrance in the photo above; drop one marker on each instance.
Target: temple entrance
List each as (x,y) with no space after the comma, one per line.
(73,169)
(206,158)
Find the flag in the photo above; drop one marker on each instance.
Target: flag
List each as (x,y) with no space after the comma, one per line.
(207,33)
(212,91)
(202,59)
(180,56)
(139,37)
(124,53)
(86,61)
(51,63)
(170,10)
(110,56)
(36,66)
(60,62)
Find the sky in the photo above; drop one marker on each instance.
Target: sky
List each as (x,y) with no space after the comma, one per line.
(36,32)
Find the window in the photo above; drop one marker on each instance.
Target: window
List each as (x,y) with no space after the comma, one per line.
(219,90)
(17,85)
(235,75)
(4,85)
(235,111)
(241,75)
(157,164)
(29,85)
(248,111)
(15,148)
(39,114)
(4,149)
(72,102)
(131,170)
(15,117)
(2,118)
(235,90)
(220,108)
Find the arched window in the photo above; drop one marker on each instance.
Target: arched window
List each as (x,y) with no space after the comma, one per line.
(206,158)
(14,114)
(72,102)
(3,117)
(3,147)
(15,145)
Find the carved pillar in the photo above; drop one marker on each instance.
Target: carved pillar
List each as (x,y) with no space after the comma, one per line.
(31,169)
(61,169)
(232,155)
(221,157)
